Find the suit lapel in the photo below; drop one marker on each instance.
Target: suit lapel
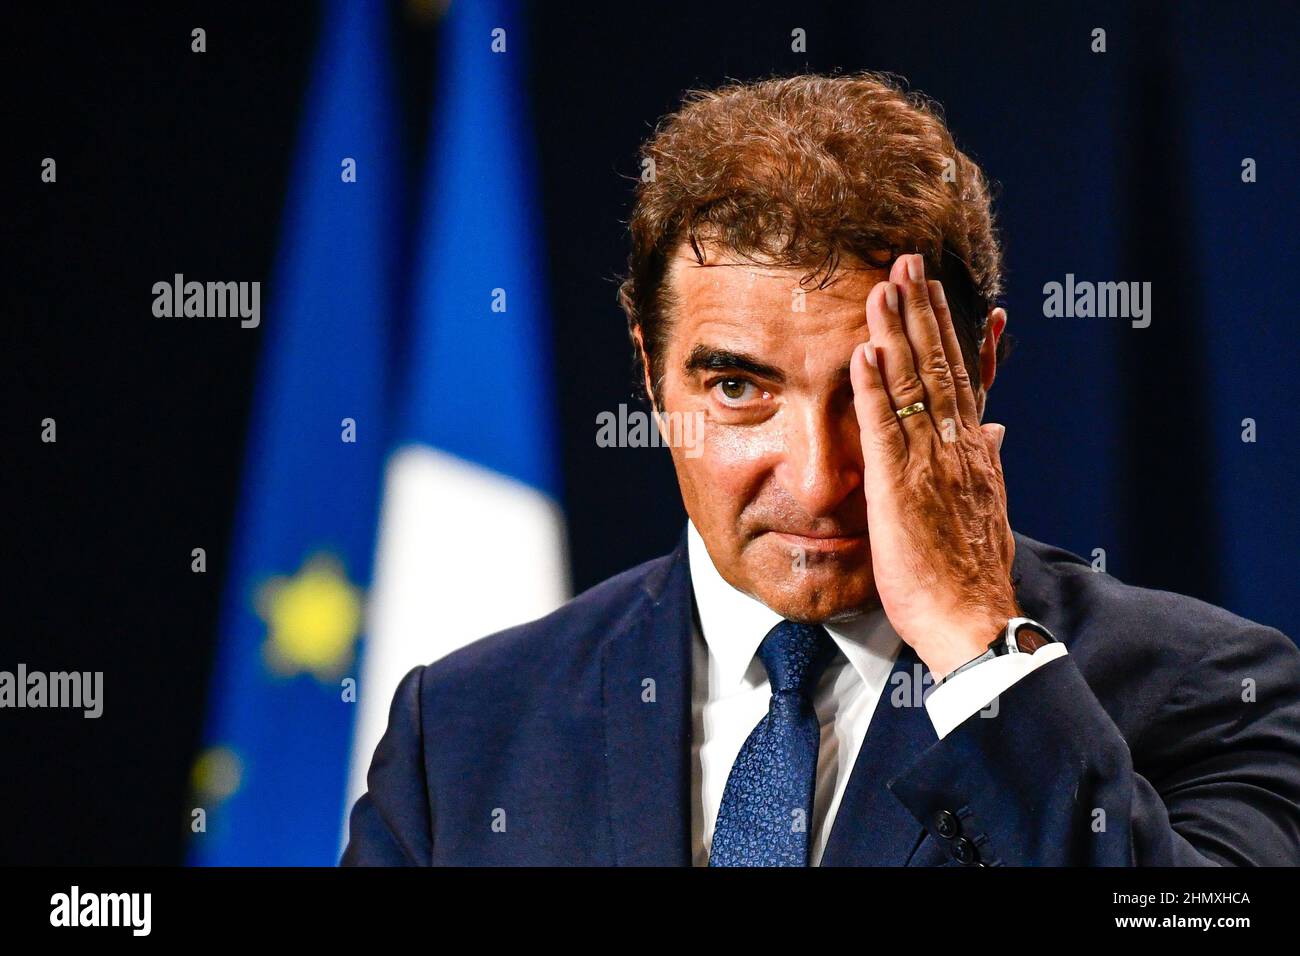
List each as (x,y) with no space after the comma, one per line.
(872,828)
(1034,583)
(648,744)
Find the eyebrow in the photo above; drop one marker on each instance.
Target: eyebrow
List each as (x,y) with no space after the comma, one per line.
(706,358)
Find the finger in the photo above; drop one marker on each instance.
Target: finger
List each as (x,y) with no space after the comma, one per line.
(993,434)
(952,349)
(885,322)
(922,330)
(883,442)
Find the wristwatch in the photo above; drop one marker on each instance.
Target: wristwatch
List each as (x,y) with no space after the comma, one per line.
(1021,636)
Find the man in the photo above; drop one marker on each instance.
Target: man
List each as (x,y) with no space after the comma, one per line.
(850,658)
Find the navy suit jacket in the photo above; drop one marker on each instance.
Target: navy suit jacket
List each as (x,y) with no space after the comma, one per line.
(1168,735)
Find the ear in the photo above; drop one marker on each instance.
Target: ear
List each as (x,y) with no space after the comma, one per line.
(645,368)
(993,329)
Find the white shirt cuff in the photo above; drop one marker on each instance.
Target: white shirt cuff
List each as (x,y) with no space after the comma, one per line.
(973,690)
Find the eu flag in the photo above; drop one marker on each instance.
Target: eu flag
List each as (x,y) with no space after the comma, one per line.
(270,784)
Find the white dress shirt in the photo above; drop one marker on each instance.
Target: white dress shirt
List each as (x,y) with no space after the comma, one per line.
(731,694)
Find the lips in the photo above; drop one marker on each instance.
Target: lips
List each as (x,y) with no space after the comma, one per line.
(820,536)
(822,541)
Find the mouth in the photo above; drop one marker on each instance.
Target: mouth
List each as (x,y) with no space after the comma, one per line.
(823,543)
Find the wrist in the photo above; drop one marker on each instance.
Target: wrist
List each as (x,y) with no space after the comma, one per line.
(960,642)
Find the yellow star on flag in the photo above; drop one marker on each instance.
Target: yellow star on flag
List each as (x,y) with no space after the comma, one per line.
(313,620)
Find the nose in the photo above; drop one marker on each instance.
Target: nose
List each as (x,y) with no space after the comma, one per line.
(822,461)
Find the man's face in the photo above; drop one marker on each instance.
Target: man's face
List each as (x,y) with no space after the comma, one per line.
(774,484)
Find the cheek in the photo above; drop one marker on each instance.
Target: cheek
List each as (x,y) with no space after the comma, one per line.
(734,462)
(743,449)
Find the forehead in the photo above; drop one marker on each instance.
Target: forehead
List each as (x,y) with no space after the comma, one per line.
(731,301)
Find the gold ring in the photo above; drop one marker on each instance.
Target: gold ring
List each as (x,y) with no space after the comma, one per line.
(910,409)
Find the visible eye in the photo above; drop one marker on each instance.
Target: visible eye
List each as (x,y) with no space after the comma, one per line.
(736,392)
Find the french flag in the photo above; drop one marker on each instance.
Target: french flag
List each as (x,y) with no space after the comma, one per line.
(471,534)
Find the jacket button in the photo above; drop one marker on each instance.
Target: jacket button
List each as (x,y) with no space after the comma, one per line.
(963,851)
(946,825)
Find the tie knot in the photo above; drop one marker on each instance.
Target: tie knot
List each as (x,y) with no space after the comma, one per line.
(795,656)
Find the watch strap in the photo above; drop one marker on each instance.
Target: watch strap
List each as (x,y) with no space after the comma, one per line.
(1022,635)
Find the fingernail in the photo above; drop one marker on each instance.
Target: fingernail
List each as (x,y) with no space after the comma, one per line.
(869,354)
(1002,433)
(915,268)
(891,296)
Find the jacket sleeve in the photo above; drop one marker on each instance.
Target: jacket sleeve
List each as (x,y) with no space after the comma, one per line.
(391,824)
(1051,781)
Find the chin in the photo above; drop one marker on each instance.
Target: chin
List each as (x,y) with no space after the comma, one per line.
(817,595)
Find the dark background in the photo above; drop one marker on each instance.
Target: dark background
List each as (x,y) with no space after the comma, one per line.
(1116,166)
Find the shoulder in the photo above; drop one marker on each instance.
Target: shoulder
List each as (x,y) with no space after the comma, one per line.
(1087,595)
(1067,586)
(1143,642)
(553,651)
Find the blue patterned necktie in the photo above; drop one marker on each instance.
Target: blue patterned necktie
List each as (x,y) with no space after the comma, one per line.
(767,805)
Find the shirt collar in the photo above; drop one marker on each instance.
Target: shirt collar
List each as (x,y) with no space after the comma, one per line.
(734,624)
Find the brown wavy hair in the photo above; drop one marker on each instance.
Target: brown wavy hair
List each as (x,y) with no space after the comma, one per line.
(806,171)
